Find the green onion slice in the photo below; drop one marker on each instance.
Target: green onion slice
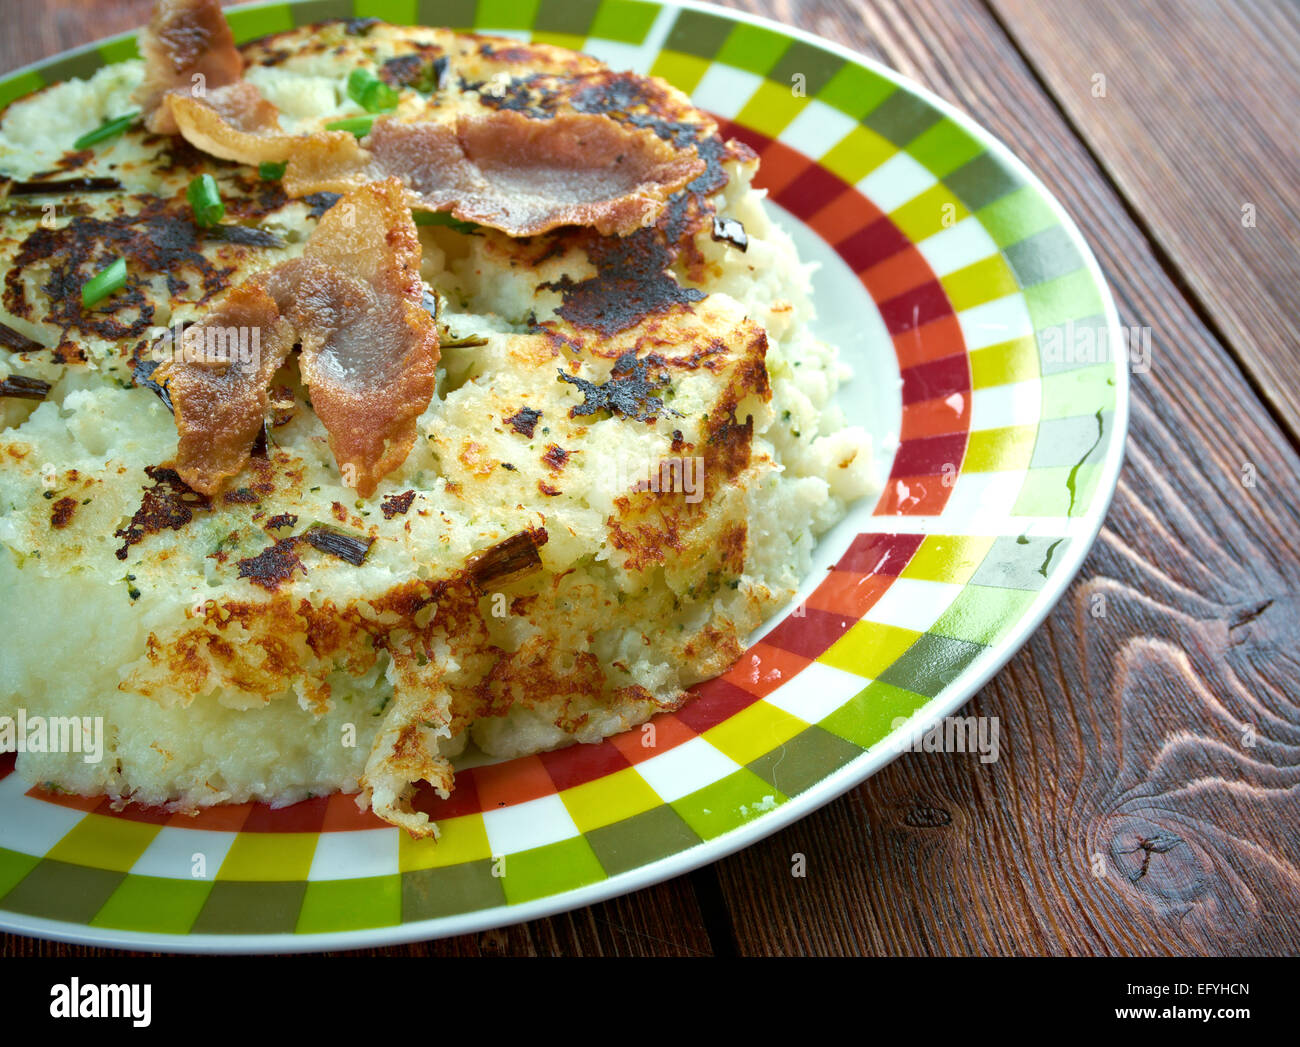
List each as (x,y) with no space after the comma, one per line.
(270,172)
(104,131)
(103,284)
(442,218)
(358,125)
(371,93)
(205,200)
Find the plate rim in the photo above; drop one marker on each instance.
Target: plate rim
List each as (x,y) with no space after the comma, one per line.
(800,806)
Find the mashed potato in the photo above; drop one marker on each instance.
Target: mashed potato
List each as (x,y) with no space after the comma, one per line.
(665,533)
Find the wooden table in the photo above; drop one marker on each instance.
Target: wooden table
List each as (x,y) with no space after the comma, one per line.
(1127,814)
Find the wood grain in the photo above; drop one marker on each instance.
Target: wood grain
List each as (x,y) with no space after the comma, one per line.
(1197,122)
(1122,735)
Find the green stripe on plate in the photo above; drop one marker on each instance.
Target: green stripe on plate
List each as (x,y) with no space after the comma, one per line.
(641,839)
(17,86)
(351,905)
(869,715)
(454,14)
(981,181)
(681,70)
(250,908)
(154,905)
(13,867)
(732,801)
(61,891)
(902,117)
(931,664)
(543,871)
(120,49)
(506,14)
(450,890)
(817,67)
(313,11)
(982,614)
(626,21)
(572,17)
(1069,297)
(395,12)
(1062,491)
(697,33)
(855,91)
(944,147)
(753,48)
(800,763)
(251,22)
(84,65)
(1016,216)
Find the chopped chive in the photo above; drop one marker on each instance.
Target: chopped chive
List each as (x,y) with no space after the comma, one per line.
(442,218)
(103,283)
(270,172)
(371,93)
(107,130)
(205,200)
(357,125)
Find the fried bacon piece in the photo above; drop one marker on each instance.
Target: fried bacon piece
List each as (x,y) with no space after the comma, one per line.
(369,348)
(187,47)
(218,387)
(504,170)
(352,301)
(499,168)
(233,123)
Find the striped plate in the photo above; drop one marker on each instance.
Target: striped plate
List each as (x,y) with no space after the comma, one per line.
(982,336)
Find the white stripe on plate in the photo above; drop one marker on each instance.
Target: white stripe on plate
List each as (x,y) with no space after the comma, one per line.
(637,57)
(352,855)
(913,603)
(684,769)
(724,90)
(172,853)
(523,826)
(983,503)
(816,691)
(1000,320)
(954,248)
(28,825)
(996,406)
(895,182)
(817,127)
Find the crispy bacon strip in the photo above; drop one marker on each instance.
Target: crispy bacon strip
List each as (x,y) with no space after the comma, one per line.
(369,349)
(499,168)
(218,379)
(505,170)
(233,123)
(185,39)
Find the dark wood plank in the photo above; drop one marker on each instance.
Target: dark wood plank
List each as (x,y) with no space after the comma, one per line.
(1122,736)
(1197,122)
